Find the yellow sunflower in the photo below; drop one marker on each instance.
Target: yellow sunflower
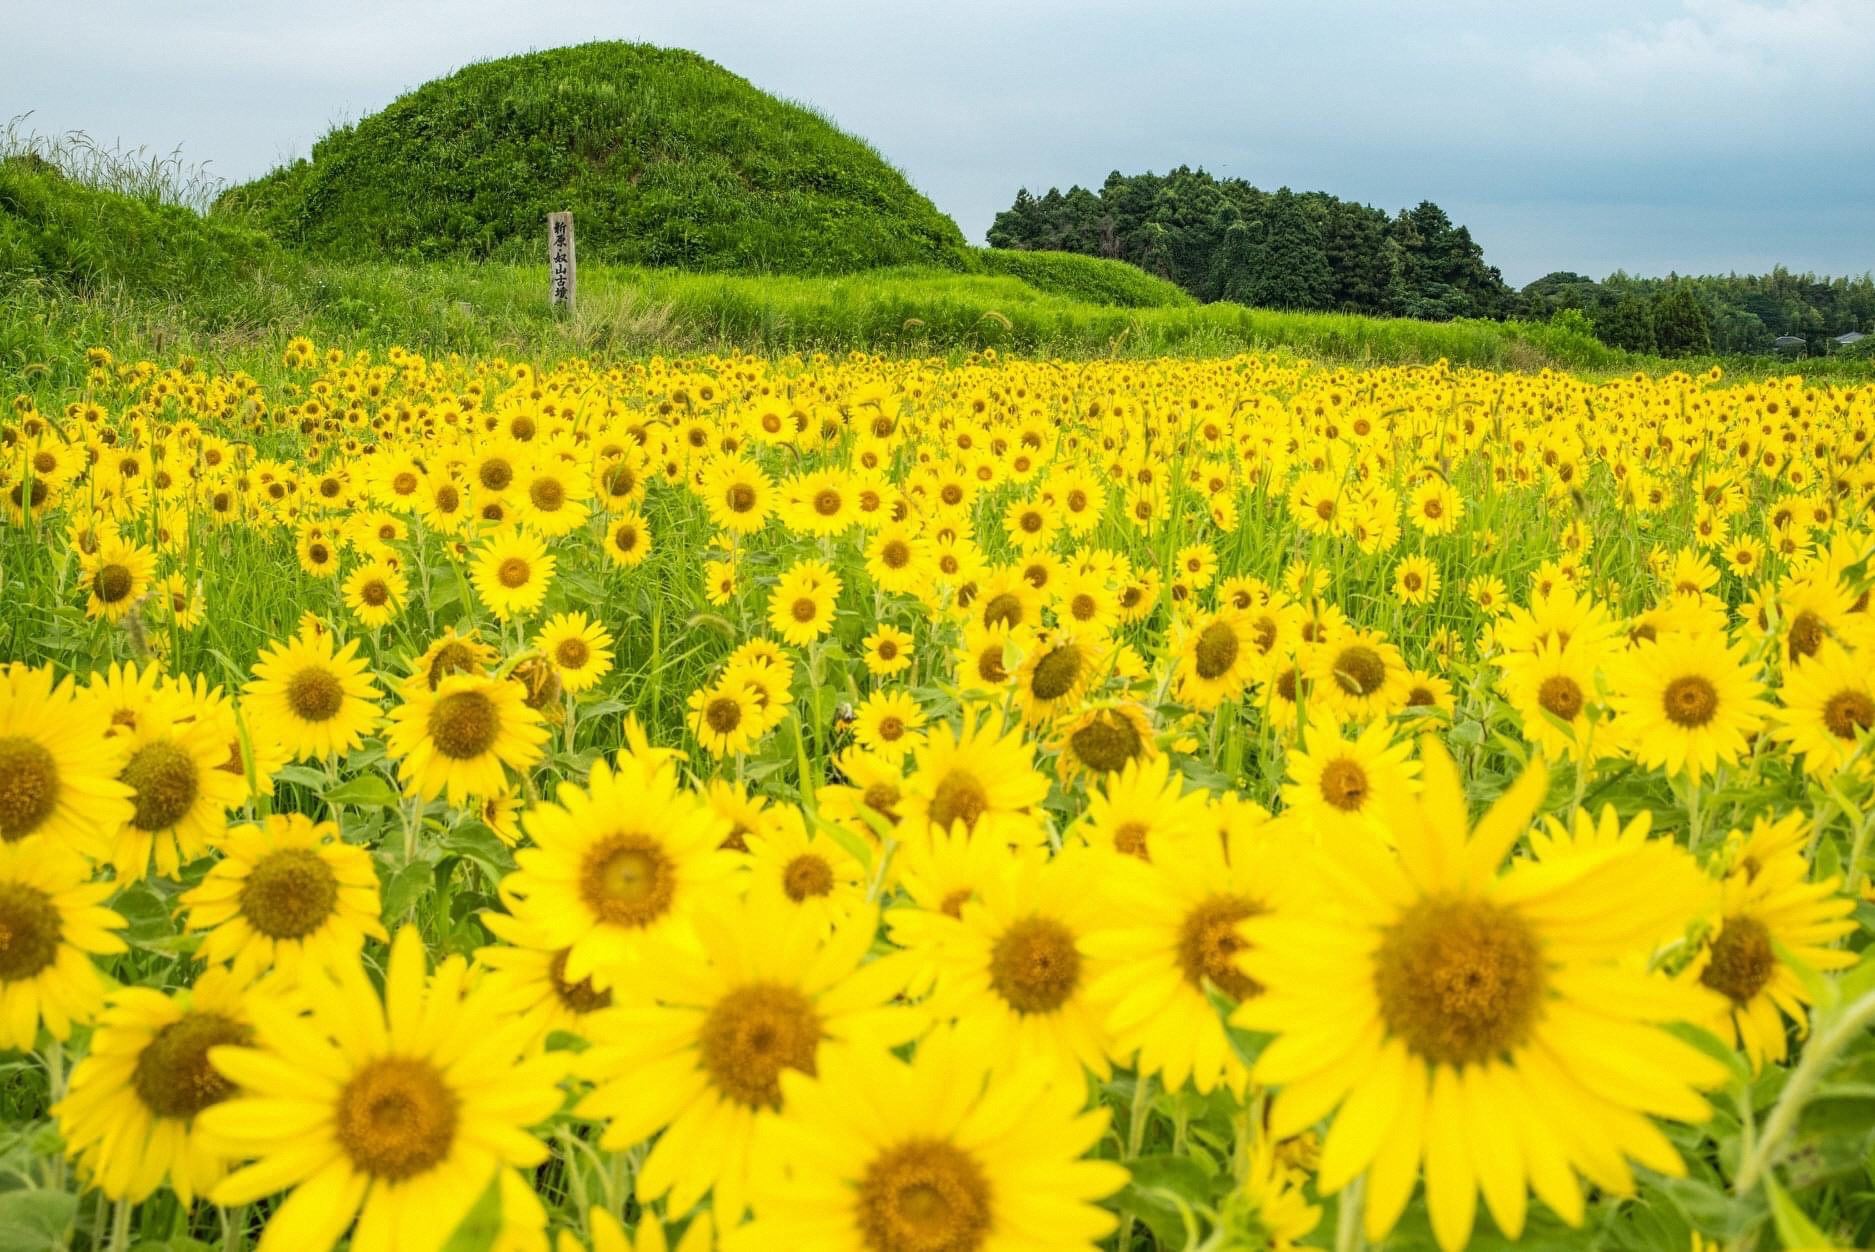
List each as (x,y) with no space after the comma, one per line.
(316,701)
(579,648)
(375,592)
(511,573)
(460,739)
(58,771)
(1492,1024)
(1828,708)
(395,1111)
(812,873)
(1347,787)
(1142,807)
(115,578)
(726,716)
(528,977)
(52,921)
(1687,702)
(888,651)
(128,1118)
(878,1153)
(888,723)
(801,607)
(977,776)
(179,794)
(1769,914)
(1057,670)
(1554,684)
(617,863)
(1357,675)
(1215,660)
(450,653)
(285,896)
(701,1056)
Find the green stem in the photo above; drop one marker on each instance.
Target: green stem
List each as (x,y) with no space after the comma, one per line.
(1816,1058)
(1349,1236)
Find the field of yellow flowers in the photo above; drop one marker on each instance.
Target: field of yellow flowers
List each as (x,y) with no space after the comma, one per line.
(891,804)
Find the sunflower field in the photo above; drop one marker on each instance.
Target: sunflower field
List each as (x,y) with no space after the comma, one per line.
(934,805)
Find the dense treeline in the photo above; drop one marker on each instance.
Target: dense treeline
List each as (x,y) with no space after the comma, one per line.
(1224,239)
(1734,313)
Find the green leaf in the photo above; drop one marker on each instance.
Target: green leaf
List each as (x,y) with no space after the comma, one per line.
(1794,1230)
(481,1226)
(35,1221)
(406,887)
(1714,1047)
(300,776)
(1183,1176)
(365,791)
(1709,1209)
(473,841)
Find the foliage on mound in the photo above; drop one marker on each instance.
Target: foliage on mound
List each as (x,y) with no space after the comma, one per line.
(664,158)
(1092,280)
(57,229)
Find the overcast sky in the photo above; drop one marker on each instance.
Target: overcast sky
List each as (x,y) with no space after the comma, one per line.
(1589,135)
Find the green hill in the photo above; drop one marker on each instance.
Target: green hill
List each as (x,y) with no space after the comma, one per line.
(663,157)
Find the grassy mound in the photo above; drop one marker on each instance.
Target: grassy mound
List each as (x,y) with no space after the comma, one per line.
(1091,280)
(663,157)
(58,230)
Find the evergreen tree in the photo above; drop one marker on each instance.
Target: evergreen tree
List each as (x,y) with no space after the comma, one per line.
(1681,327)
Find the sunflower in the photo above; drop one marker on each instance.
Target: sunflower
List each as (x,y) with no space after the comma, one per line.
(627,540)
(1270,1210)
(988,656)
(888,651)
(1428,694)
(553,498)
(316,701)
(726,717)
(511,573)
(1416,580)
(1494,1024)
(1215,660)
(1103,740)
(451,653)
(397,1111)
(811,873)
(739,494)
(617,863)
(1357,674)
(1771,914)
(1555,691)
(979,776)
(801,607)
(869,799)
(1006,598)
(1828,708)
(1056,671)
(877,1153)
(58,771)
(115,578)
(719,582)
(528,977)
(1687,702)
(608,1236)
(703,1053)
(459,739)
(128,1118)
(579,648)
(1013,974)
(52,921)
(318,553)
(1342,787)
(375,592)
(888,723)
(179,794)
(1141,807)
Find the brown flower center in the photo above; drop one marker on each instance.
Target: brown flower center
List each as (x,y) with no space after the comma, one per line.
(1461,980)
(547,494)
(30,929)
(289,893)
(513,573)
(628,879)
(112,582)
(315,694)
(751,1035)
(572,653)
(740,498)
(579,997)
(397,1118)
(29,786)
(1807,633)
(1216,651)
(1035,966)
(162,776)
(1742,960)
(925,1195)
(1208,945)
(1344,784)
(1690,701)
(173,1076)
(807,875)
(1360,671)
(958,797)
(1845,714)
(464,724)
(1106,743)
(1003,610)
(723,714)
(1561,695)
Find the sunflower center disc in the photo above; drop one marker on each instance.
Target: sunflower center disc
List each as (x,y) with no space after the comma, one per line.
(29,786)
(513,573)
(580,997)
(113,583)
(628,880)
(1690,701)
(1359,671)
(1106,743)
(315,695)
(1846,713)
(1561,695)
(1055,673)
(30,927)
(751,1035)
(1344,784)
(1034,965)
(464,725)
(397,1118)
(572,654)
(1460,980)
(807,875)
(289,893)
(927,1195)
(1208,945)
(162,774)
(173,1077)
(1003,610)
(1216,650)
(958,797)
(1742,960)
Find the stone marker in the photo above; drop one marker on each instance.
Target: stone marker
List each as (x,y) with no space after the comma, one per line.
(562,269)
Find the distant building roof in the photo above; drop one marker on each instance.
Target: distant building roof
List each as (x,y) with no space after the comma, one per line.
(1790,341)
(1854,336)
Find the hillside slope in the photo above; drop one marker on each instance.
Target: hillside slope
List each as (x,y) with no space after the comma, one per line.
(664,158)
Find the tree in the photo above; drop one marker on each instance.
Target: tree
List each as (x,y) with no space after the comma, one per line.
(1681,327)
(1630,325)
